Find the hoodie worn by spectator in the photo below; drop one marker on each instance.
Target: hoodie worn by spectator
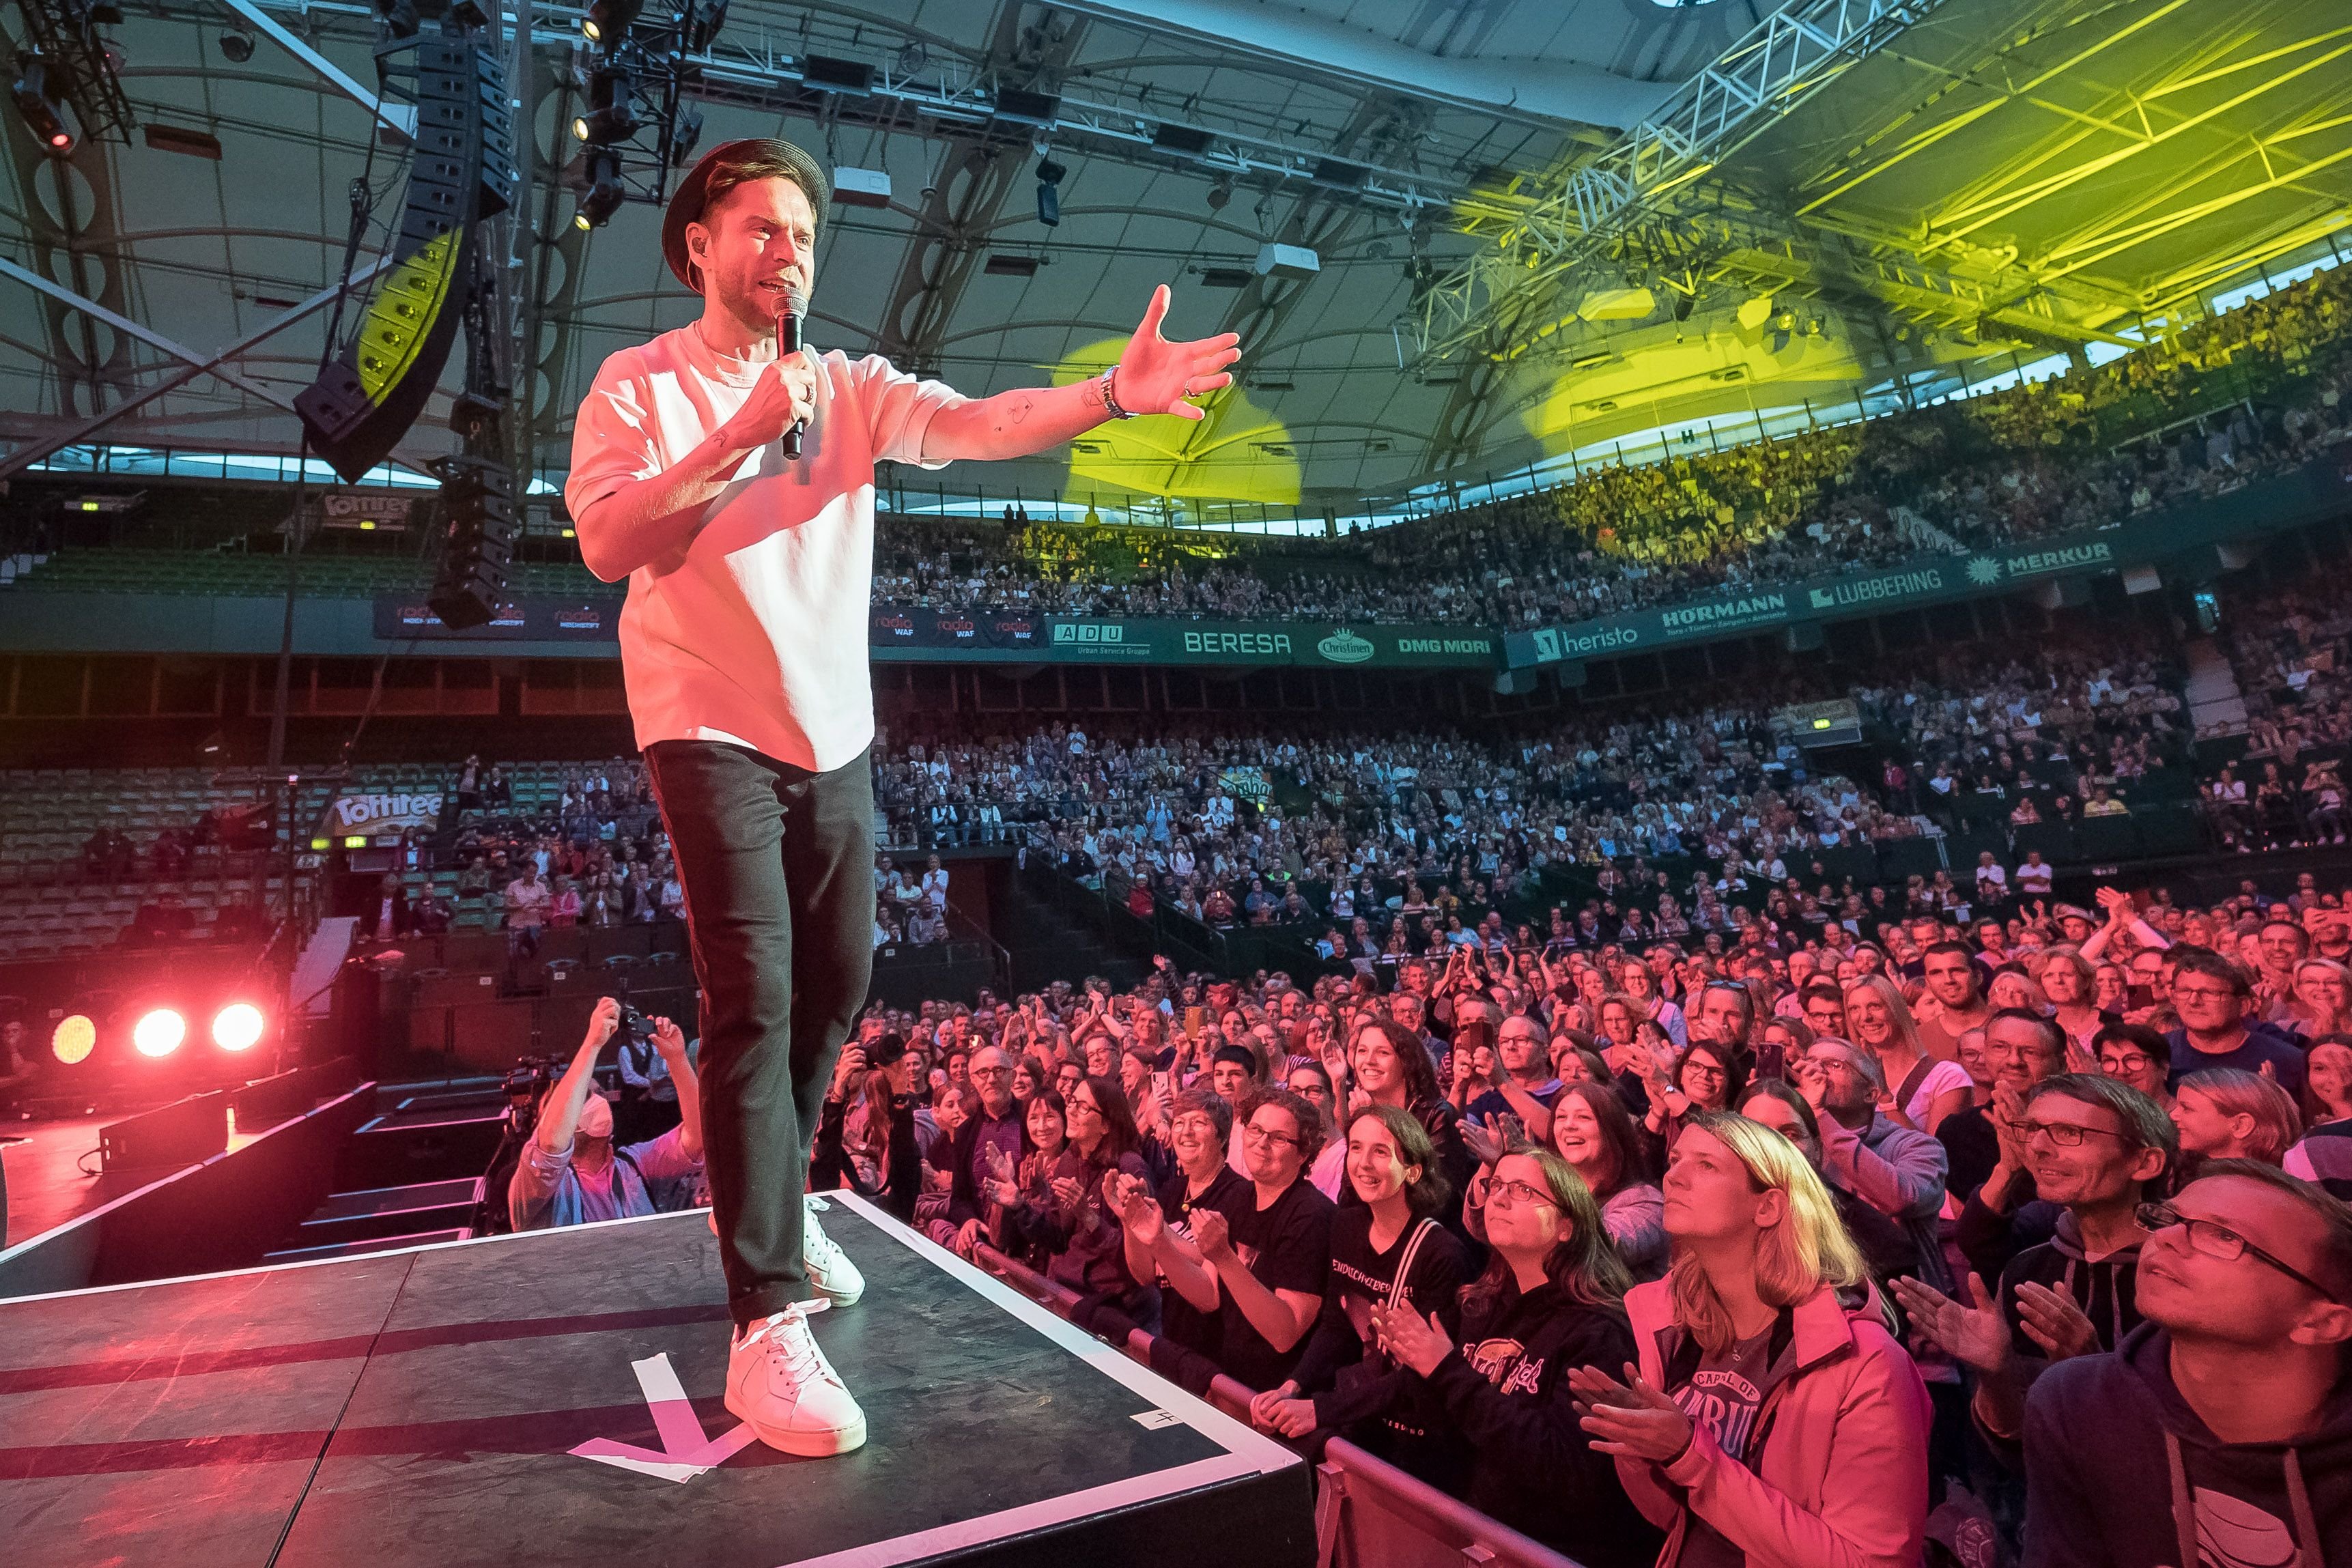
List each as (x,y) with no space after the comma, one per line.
(1835,1474)
(2122,1474)
(1898,1172)
(1506,1390)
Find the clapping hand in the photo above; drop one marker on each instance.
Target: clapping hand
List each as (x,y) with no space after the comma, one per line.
(1279,1410)
(1001,1185)
(1977,1336)
(1212,1235)
(1131,1199)
(1631,1419)
(1410,1339)
(2054,1321)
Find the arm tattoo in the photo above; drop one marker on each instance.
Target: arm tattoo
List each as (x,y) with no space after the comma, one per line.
(1021,407)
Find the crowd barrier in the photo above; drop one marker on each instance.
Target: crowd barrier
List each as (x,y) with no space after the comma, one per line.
(1368,1512)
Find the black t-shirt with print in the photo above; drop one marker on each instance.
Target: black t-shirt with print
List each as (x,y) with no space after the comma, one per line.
(1287,1245)
(1182,1322)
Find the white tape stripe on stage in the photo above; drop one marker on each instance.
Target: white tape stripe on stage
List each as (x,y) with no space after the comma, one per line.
(1033,1517)
(1266,1454)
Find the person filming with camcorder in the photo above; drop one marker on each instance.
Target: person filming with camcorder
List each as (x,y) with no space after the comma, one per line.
(570,1171)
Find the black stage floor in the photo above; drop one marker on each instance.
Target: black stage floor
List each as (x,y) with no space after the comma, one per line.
(487,1402)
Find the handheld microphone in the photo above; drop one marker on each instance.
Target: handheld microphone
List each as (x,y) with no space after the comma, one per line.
(788,342)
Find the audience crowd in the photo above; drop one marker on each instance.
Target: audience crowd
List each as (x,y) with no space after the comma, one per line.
(1809,1248)
(2246,394)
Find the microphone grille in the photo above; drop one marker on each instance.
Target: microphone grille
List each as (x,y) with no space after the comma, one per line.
(796,302)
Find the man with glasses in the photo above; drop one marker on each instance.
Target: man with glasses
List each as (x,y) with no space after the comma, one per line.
(2022,1048)
(998,1125)
(2211,994)
(1897,1170)
(2220,1429)
(1525,1085)
(2096,1149)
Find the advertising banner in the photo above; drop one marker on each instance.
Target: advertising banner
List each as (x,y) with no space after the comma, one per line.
(382,817)
(520,618)
(2266,506)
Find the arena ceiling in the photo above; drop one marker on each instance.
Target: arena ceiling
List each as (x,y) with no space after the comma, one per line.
(1968,181)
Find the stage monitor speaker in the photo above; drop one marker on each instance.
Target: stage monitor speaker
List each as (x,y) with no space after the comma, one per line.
(180,1134)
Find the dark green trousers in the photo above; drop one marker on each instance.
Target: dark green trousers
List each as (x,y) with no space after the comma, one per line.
(778,867)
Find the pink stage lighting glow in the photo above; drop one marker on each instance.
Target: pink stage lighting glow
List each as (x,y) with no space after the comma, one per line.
(159,1033)
(238,1026)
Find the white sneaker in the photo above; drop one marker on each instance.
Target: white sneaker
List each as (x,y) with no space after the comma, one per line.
(780,1384)
(829,1268)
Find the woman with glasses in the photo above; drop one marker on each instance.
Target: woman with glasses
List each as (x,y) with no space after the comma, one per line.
(1072,1222)
(2134,1054)
(1271,1253)
(1771,1419)
(1705,1077)
(1549,1300)
(2321,1003)
(1388,1251)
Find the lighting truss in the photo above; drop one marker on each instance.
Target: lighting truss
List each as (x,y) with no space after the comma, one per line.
(63,33)
(1650,178)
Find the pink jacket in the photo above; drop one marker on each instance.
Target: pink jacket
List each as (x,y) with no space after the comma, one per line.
(1841,1481)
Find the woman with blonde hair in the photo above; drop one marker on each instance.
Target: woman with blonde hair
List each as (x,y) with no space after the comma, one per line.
(2072,985)
(2227,1113)
(2321,1003)
(1765,1313)
(1923,1090)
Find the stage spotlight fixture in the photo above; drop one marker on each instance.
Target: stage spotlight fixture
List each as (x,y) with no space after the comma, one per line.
(236,46)
(238,1026)
(401,18)
(159,1032)
(44,112)
(1049,192)
(1220,193)
(602,197)
(608,22)
(610,117)
(74,1039)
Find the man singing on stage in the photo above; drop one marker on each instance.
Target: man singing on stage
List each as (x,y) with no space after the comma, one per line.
(744,647)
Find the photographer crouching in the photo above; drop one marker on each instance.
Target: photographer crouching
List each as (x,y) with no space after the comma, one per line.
(571,1172)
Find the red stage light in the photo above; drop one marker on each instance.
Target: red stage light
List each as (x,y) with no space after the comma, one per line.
(159,1033)
(74,1040)
(238,1026)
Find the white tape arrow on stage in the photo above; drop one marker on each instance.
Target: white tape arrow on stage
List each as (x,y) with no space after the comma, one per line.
(685,1452)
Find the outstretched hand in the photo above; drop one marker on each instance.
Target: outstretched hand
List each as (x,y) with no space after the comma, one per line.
(1155,376)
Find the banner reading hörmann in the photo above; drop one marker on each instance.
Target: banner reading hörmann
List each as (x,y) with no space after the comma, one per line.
(2288,501)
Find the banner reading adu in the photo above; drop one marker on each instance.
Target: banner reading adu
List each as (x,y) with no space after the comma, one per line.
(2288,500)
